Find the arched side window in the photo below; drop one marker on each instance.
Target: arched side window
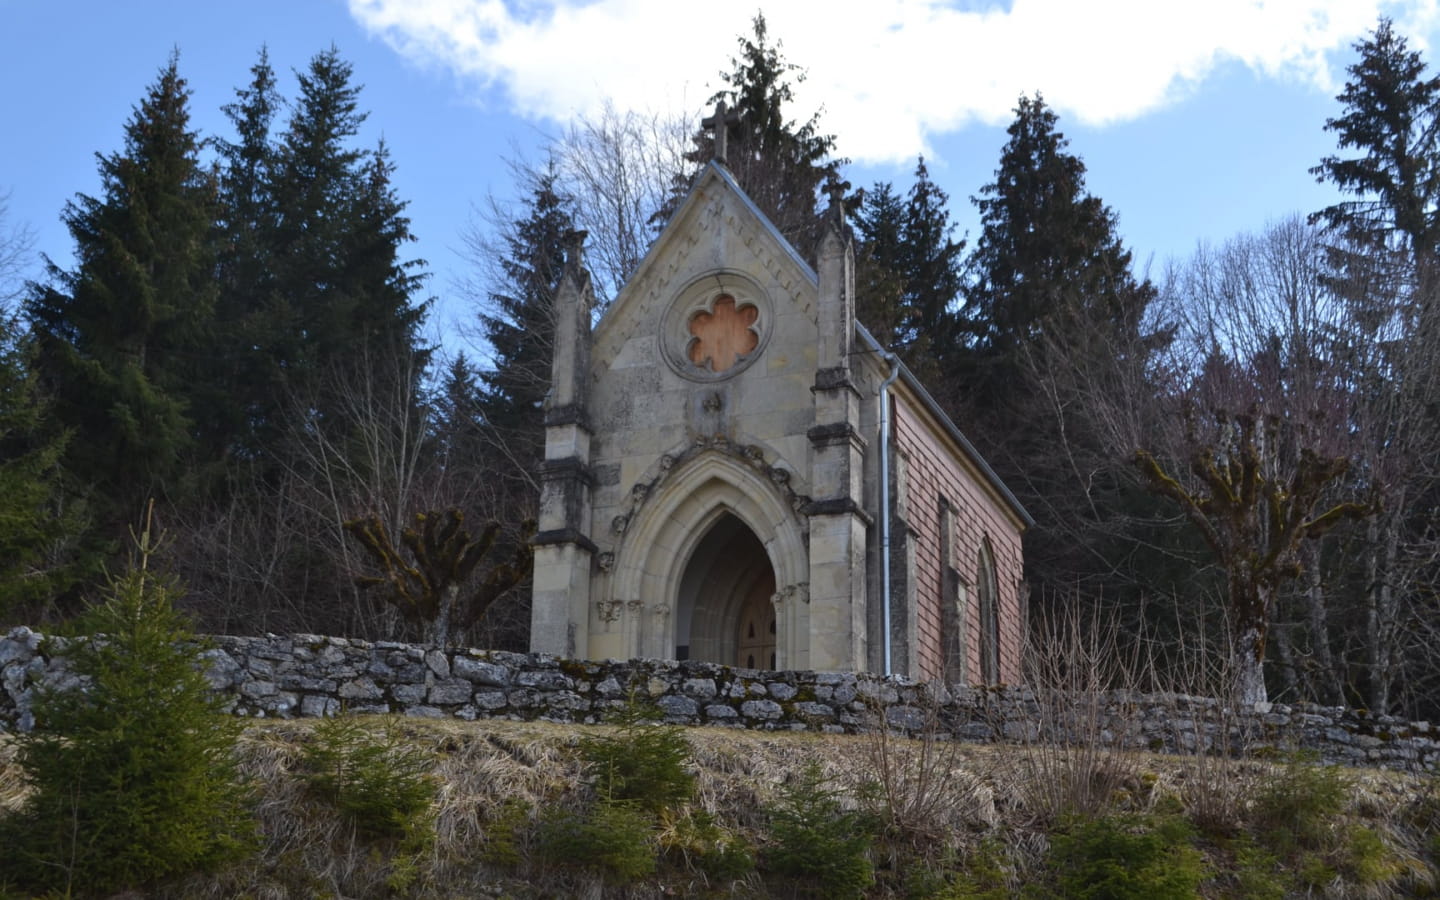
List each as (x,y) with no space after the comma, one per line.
(989,601)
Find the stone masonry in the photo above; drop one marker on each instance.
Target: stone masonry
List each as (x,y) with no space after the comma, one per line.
(309,675)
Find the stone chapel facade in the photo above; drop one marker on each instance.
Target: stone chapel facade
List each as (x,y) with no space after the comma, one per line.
(735,471)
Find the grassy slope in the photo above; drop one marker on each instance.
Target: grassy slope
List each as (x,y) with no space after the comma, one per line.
(991,811)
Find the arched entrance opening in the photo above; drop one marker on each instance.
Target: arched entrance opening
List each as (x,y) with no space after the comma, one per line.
(725,612)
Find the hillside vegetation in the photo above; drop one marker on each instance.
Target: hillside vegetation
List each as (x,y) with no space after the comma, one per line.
(379,807)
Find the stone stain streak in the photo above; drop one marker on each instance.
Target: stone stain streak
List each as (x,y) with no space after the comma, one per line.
(307,675)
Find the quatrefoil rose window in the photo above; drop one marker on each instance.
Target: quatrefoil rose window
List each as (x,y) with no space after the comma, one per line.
(720,339)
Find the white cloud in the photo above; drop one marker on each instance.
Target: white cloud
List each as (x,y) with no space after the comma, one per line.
(888,73)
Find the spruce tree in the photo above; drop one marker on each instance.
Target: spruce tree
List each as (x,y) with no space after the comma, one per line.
(343,295)
(34,519)
(1385,266)
(1052,322)
(932,263)
(120,338)
(1392,119)
(243,377)
(879,280)
(519,325)
(910,271)
(133,770)
(782,164)
(1048,258)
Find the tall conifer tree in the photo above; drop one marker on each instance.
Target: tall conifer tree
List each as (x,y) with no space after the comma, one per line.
(1053,312)
(343,295)
(120,338)
(243,378)
(520,327)
(782,164)
(1392,118)
(910,271)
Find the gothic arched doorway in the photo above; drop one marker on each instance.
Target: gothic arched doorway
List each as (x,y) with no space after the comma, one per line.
(725,609)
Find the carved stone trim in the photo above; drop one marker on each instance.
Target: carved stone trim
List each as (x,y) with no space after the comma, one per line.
(834,379)
(557,536)
(834,434)
(608,610)
(752,455)
(569,414)
(838,506)
(569,468)
(792,593)
(703,296)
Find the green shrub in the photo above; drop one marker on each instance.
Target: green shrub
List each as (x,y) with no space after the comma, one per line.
(1366,859)
(704,844)
(504,831)
(1298,809)
(643,763)
(985,875)
(379,782)
(615,839)
(133,775)
(1258,874)
(1127,858)
(817,841)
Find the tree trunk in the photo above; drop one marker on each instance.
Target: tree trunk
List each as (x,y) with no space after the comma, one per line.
(1249,667)
(1382,613)
(1329,684)
(1251,606)
(438,633)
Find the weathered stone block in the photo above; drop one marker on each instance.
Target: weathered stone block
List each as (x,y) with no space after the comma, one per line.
(360,689)
(704,688)
(451,691)
(781,691)
(678,707)
(438,663)
(761,709)
(481,672)
(254,689)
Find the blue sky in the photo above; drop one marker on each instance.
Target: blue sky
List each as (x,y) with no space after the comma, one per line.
(1196,120)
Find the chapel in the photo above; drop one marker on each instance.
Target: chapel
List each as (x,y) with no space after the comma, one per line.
(736,471)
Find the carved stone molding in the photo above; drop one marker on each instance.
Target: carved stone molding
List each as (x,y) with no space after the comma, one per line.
(609,610)
(752,455)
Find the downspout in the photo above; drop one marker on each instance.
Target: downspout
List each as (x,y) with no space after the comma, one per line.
(884,399)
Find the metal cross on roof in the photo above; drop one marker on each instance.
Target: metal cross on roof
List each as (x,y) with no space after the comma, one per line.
(718,122)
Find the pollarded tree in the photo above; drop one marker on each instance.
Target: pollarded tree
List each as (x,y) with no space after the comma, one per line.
(118,338)
(782,164)
(430,574)
(1254,520)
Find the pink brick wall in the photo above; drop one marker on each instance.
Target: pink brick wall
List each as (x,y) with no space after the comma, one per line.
(935,468)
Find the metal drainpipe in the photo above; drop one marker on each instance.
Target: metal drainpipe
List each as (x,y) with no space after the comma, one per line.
(884,399)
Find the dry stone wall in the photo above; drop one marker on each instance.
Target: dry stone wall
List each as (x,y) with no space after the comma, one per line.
(310,675)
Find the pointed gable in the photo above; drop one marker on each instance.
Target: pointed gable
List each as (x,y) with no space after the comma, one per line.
(717,227)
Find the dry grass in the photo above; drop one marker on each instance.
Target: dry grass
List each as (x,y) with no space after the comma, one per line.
(947,795)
